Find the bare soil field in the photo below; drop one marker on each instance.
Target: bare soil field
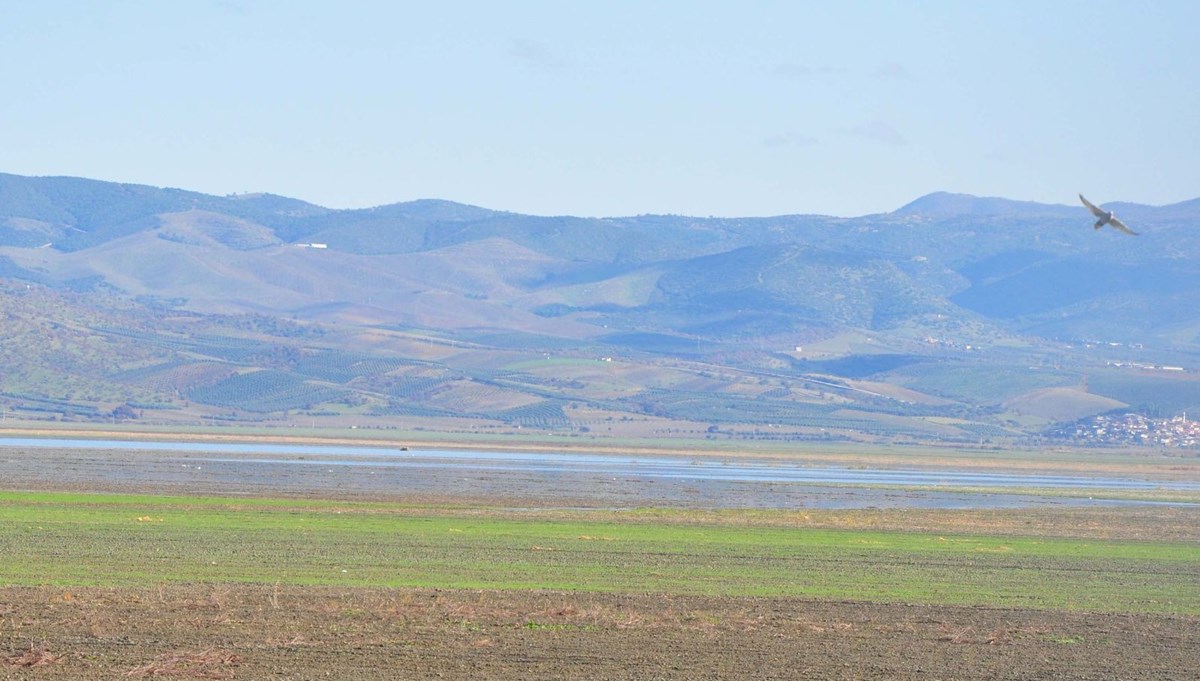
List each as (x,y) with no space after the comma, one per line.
(256,632)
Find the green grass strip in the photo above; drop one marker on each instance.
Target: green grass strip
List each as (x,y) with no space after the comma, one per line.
(129,540)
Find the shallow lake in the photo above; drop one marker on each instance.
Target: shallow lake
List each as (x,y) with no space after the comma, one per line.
(547,477)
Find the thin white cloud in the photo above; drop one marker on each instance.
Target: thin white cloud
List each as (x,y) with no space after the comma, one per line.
(789,140)
(878,131)
(239,7)
(536,54)
(794,71)
(892,71)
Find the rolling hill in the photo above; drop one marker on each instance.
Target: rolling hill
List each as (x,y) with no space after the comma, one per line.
(967,289)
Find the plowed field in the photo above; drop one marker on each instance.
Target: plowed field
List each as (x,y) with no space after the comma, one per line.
(258,632)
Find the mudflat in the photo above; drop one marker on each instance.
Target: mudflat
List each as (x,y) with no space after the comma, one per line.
(580,479)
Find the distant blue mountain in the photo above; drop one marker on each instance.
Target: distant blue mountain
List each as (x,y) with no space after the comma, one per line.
(940,205)
(1019,265)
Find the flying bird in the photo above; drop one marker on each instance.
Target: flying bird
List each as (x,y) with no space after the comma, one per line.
(1105,217)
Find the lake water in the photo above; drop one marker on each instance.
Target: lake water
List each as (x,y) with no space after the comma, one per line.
(587,479)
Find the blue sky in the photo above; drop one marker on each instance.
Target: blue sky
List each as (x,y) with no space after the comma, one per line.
(610,108)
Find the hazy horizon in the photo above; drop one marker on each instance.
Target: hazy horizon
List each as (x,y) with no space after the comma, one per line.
(1066,204)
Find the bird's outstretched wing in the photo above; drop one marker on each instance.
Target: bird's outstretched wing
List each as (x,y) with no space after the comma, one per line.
(1121,226)
(1092,207)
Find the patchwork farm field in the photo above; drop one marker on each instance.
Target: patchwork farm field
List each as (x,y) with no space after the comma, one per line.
(104,585)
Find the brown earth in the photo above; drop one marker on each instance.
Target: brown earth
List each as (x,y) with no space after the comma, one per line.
(257,632)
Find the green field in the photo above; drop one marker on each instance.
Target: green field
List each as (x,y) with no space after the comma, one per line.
(113,540)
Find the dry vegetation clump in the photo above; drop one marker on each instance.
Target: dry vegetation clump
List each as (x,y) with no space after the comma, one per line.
(35,656)
(207,664)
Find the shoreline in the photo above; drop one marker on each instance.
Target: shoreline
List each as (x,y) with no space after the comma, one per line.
(1049,460)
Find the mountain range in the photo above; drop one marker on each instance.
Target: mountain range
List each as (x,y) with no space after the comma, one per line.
(944,286)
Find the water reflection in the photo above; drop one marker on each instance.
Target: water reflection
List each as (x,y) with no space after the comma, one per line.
(632,480)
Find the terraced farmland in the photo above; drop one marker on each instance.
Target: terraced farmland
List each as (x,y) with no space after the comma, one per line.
(265,391)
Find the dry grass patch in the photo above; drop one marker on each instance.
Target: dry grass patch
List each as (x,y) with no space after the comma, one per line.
(207,664)
(35,656)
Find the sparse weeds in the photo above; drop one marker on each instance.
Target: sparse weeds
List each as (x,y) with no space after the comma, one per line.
(997,636)
(701,619)
(959,635)
(208,664)
(35,656)
(534,625)
(216,598)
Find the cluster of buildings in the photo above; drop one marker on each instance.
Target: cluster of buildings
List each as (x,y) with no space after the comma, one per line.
(1135,429)
(946,343)
(1146,367)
